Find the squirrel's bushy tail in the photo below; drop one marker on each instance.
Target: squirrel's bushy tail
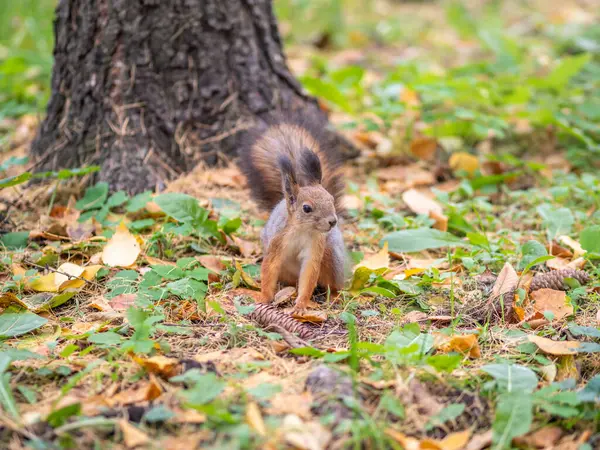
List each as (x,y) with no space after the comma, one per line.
(261,154)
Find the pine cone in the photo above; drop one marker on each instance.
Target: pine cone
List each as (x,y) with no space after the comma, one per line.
(556,279)
(267,315)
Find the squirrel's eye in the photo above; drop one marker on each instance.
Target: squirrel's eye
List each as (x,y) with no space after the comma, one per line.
(307,209)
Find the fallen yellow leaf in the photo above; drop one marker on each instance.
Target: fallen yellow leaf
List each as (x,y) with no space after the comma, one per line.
(409,97)
(122,249)
(247,278)
(379,260)
(466,344)
(66,272)
(454,441)
(44,283)
(255,420)
(573,245)
(159,365)
(464,161)
(133,436)
(557,348)
(88,274)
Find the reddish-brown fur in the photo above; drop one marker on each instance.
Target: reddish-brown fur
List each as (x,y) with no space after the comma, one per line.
(298,251)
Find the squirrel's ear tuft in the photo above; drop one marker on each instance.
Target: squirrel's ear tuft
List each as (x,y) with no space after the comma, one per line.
(311,167)
(288,180)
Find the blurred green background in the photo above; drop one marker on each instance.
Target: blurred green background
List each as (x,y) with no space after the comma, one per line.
(463,70)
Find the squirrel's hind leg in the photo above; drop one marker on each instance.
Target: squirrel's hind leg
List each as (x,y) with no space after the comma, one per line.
(269,272)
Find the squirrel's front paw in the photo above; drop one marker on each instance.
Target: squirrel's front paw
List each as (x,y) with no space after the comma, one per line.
(300,308)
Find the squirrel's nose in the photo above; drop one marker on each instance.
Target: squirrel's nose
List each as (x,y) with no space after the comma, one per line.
(332,223)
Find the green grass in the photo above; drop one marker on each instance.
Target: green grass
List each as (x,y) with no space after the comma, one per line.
(26,42)
(508,78)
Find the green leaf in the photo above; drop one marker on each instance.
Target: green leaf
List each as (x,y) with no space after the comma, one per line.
(579,330)
(591,392)
(231,225)
(13,161)
(65,174)
(108,338)
(94,197)
(15,324)
(138,202)
(206,389)
(15,240)
(182,207)
(15,180)
(512,377)
(60,416)
(557,221)
(537,261)
(199,273)
(117,199)
(138,225)
(407,341)
(264,391)
(514,416)
(566,69)
(407,287)
(308,351)
(390,403)
(383,292)
(590,239)
(159,413)
(420,239)
(530,251)
(186,288)
(327,91)
(7,400)
(169,272)
(450,412)
(445,362)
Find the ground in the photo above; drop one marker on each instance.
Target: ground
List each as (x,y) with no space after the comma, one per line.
(471,315)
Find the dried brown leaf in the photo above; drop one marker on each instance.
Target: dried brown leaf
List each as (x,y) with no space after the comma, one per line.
(298,404)
(247,248)
(553,301)
(543,438)
(122,302)
(284,295)
(159,365)
(211,262)
(557,348)
(573,245)
(423,148)
(133,436)
(310,316)
(507,281)
(466,344)
(309,435)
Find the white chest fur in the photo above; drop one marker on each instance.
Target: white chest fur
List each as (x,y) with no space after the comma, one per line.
(297,250)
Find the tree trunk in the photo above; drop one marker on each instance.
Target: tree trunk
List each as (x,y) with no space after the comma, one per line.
(147,88)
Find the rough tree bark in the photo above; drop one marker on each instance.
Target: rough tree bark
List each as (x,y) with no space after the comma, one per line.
(148,88)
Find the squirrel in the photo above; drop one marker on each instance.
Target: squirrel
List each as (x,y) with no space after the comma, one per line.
(294,172)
